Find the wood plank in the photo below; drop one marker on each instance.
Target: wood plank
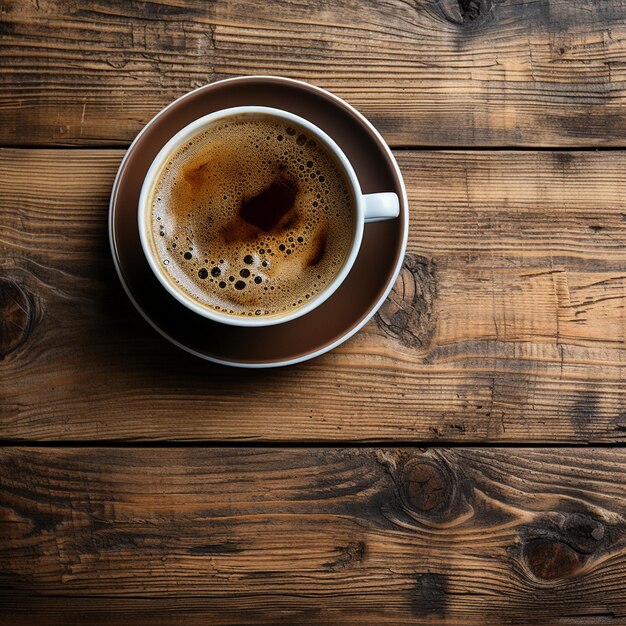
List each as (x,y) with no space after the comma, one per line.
(444,73)
(507,323)
(225,536)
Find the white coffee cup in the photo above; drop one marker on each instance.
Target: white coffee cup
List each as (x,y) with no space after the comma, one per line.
(373,207)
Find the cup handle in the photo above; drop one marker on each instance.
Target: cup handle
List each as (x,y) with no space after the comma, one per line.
(381,206)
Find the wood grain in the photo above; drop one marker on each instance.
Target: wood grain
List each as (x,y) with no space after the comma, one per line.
(315,536)
(427,72)
(506,324)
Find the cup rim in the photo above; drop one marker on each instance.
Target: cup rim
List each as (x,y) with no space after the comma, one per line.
(189,131)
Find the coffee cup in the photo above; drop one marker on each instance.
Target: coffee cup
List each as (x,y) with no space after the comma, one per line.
(366,208)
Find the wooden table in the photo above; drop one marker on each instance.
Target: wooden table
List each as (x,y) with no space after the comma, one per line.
(458,461)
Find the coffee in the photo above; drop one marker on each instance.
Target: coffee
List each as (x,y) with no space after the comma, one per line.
(252,217)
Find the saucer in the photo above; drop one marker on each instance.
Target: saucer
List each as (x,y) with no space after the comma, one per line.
(338,318)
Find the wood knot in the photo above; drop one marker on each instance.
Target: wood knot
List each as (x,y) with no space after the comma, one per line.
(16,314)
(549,559)
(583,533)
(469,13)
(427,486)
(408,312)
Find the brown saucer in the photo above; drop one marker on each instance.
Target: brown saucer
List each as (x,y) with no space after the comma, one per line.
(349,308)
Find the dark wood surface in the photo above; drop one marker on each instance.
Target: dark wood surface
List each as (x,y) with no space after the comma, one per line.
(507,323)
(506,327)
(427,72)
(309,536)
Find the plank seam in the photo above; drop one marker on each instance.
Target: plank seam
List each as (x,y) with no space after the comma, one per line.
(370,444)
